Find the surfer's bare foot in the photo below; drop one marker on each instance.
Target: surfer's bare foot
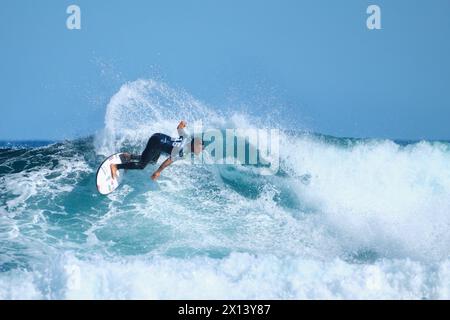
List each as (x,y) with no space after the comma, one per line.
(127,156)
(114,171)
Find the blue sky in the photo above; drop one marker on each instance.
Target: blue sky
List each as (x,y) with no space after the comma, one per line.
(313,60)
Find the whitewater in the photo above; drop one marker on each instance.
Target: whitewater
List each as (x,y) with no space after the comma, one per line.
(343,218)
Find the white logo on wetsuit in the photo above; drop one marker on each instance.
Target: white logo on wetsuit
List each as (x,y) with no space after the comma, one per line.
(179,144)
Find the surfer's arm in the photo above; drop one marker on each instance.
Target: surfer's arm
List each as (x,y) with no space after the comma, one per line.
(181,130)
(163,165)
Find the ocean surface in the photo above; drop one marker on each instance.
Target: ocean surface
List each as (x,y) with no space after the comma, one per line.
(342,219)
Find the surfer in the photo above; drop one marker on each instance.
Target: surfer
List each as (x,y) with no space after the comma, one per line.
(176,148)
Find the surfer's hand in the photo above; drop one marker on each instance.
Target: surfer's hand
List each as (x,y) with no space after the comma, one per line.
(155,175)
(182,125)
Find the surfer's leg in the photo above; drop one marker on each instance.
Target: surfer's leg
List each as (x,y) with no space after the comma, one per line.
(150,155)
(131,165)
(152,150)
(127,157)
(135,157)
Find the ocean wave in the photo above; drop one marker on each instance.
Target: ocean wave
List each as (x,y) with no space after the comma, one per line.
(237,276)
(342,218)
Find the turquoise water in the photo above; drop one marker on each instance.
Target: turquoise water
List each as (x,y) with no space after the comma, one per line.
(343,218)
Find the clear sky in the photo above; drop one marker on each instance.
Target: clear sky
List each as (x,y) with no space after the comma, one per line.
(315,60)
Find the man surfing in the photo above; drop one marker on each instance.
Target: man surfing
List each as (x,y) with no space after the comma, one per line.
(176,148)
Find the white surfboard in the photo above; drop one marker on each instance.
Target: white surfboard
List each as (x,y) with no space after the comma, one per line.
(105,183)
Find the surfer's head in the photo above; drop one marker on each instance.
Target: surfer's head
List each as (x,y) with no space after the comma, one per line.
(197,145)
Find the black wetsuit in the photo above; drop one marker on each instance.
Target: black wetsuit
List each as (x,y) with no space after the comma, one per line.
(157,144)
